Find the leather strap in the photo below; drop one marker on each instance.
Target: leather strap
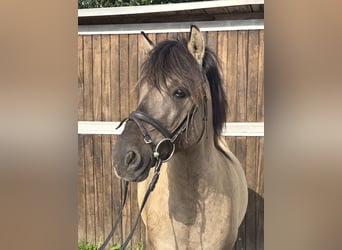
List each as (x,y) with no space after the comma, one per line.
(110,235)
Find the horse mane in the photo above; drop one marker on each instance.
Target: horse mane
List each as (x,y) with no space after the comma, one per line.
(171,60)
(218,97)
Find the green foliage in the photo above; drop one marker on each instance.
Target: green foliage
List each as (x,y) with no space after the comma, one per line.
(88,246)
(140,246)
(82,4)
(116,247)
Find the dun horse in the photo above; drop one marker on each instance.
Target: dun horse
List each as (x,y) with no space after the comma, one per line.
(201,197)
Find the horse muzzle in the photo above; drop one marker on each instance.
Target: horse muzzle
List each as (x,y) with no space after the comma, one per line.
(131,164)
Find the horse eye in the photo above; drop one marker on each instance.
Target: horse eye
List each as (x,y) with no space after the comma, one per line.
(180,93)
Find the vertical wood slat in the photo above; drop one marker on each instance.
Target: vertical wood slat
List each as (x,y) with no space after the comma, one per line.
(88,142)
(241,76)
(260,100)
(97,155)
(106,78)
(81,186)
(115,114)
(212,41)
(123,73)
(133,77)
(80,110)
(239,48)
(231,68)
(240,145)
(81,165)
(260,193)
(106,146)
(140,58)
(252,75)
(124,108)
(240,153)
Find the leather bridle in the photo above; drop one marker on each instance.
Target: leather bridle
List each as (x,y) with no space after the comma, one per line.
(158,156)
(169,140)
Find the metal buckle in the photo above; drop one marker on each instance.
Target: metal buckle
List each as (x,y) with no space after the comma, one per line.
(164,143)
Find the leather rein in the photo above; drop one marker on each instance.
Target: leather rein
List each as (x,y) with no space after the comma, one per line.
(158,157)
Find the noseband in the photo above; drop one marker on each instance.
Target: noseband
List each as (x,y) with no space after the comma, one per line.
(168,142)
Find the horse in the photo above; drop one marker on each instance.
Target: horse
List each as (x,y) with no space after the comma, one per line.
(201,197)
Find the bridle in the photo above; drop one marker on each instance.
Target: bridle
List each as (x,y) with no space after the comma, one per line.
(169,140)
(158,157)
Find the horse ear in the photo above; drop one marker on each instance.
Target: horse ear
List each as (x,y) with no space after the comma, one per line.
(196,44)
(147,43)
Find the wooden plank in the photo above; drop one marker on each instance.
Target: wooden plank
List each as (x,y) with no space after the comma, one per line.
(183,35)
(105,80)
(105,140)
(260,101)
(115,112)
(124,88)
(81,197)
(117,201)
(241,76)
(132,70)
(222,53)
(97,77)
(80,110)
(90,188)
(133,77)
(88,78)
(232,75)
(229,129)
(240,153)
(161,37)
(107,185)
(172,36)
(88,140)
(205,26)
(126,215)
(212,41)
(260,194)
(252,75)
(115,77)
(160,8)
(124,102)
(98,189)
(141,55)
(153,38)
(251,180)
(81,189)
(97,155)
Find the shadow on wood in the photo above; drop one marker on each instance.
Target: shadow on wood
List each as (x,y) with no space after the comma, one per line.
(251,231)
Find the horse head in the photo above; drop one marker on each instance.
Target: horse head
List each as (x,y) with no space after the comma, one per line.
(172,106)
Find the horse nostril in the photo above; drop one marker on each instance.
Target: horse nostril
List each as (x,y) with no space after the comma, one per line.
(130,158)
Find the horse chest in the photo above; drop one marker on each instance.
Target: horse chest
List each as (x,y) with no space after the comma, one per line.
(204,224)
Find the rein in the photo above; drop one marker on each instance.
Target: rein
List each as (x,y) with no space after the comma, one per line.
(147,194)
(168,141)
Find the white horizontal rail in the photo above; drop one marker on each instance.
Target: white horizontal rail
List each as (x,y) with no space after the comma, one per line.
(158,8)
(230,128)
(225,25)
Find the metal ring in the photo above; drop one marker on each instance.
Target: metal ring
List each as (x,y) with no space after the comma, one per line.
(170,153)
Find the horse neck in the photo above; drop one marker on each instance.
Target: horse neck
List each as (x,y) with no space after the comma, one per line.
(196,162)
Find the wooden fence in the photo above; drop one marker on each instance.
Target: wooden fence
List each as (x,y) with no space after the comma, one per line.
(108,70)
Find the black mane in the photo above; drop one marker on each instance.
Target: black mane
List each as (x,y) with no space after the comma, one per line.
(218,97)
(171,60)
